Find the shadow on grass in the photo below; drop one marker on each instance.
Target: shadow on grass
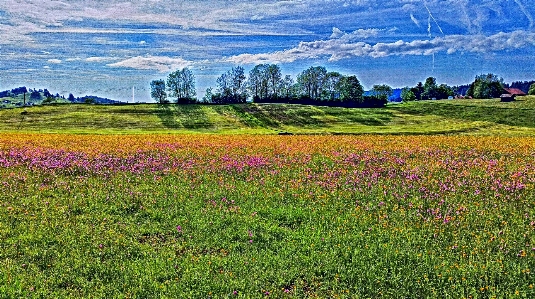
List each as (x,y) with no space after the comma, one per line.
(175,116)
(277,115)
(251,115)
(511,116)
(364,116)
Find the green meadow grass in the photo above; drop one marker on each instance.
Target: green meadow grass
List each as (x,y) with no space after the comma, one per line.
(474,117)
(338,217)
(323,224)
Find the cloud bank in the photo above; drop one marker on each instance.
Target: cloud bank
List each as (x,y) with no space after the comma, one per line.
(159,63)
(345,47)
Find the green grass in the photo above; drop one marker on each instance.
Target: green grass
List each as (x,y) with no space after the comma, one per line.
(475,117)
(324,217)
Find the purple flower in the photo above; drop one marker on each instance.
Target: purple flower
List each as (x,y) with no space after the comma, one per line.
(179,228)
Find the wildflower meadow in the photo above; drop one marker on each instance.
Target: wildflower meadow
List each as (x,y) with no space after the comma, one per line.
(254,216)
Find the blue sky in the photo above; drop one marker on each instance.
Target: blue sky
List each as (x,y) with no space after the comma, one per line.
(105,48)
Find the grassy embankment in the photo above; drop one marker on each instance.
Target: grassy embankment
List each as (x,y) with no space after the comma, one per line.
(478,117)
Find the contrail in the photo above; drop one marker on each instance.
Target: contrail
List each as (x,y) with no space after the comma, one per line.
(433,68)
(429,26)
(526,12)
(415,21)
(429,32)
(435,20)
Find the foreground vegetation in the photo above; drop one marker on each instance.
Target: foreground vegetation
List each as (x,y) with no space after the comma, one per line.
(477,117)
(198,216)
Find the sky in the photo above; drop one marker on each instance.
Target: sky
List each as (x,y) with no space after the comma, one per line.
(107,48)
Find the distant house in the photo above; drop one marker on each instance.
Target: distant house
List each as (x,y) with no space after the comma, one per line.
(510,94)
(506,97)
(514,91)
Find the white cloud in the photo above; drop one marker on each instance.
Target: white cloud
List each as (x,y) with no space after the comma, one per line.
(343,48)
(357,34)
(99,59)
(337,33)
(54,61)
(159,63)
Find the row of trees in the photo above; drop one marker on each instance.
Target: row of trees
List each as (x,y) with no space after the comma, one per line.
(265,83)
(484,86)
(427,91)
(315,85)
(180,85)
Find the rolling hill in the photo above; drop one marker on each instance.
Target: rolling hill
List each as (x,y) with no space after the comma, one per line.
(477,117)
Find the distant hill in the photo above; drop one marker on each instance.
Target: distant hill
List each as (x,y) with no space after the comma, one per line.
(95,100)
(475,117)
(21,96)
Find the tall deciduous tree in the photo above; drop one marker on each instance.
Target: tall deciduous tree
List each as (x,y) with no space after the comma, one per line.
(430,88)
(181,85)
(407,95)
(311,81)
(157,91)
(486,87)
(331,86)
(257,82)
(274,77)
(350,89)
(444,91)
(265,82)
(382,92)
(287,87)
(231,87)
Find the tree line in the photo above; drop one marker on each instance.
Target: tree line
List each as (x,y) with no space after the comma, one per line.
(484,86)
(265,83)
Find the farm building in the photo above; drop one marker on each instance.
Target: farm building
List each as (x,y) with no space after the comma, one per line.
(514,91)
(510,94)
(506,97)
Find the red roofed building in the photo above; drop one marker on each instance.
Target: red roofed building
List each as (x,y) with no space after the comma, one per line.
(510,94)
(514,91)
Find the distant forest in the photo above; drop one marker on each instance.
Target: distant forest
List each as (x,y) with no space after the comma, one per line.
(22,96)
(266,84)
(317,86)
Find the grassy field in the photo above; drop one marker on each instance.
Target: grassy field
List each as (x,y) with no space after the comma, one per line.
(475,117)
(241,216)
(438,202)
